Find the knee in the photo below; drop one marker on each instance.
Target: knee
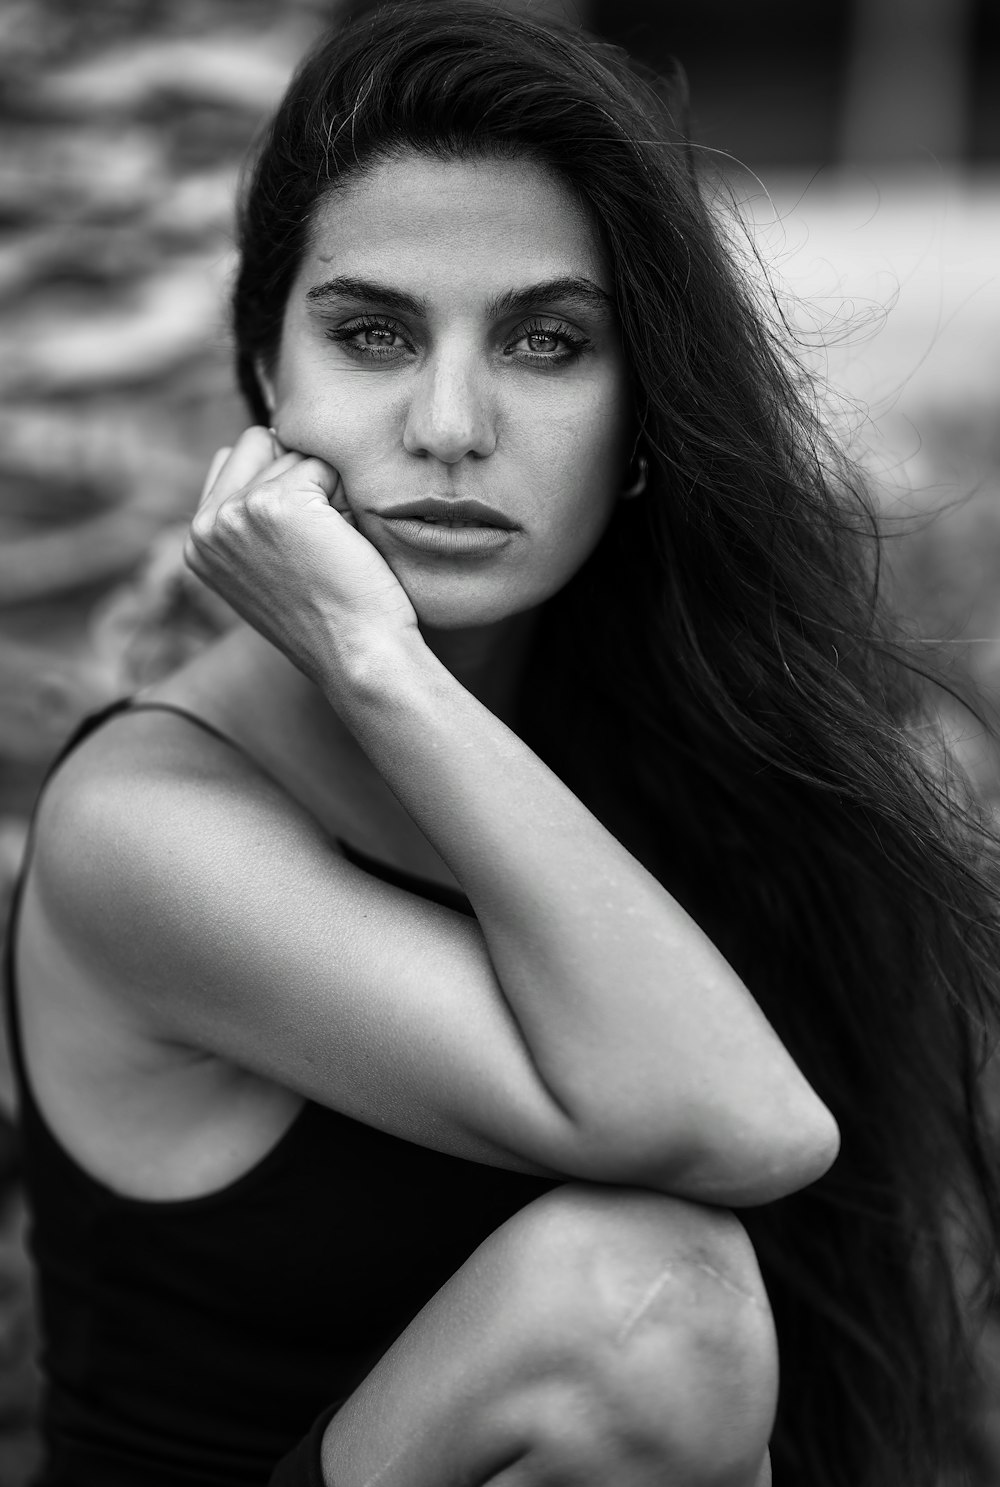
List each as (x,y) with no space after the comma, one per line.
(651,1312)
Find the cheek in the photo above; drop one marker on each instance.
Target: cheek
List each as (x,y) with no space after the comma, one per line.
(347,421)
(586,454)
(585,449)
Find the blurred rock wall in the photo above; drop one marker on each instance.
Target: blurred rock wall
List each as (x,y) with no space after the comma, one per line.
(123,126)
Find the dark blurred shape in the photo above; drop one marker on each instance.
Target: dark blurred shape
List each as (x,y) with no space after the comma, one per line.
(781,83)
(907,83)
(764,78)
(984,83)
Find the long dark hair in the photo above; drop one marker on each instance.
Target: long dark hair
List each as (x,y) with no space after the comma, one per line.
(720,684)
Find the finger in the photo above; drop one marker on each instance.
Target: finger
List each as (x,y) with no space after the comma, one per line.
(218,460)
(225,480)
(338,498)
(288,460)
(339,503)
(313,471)
(251,455)
(329,481)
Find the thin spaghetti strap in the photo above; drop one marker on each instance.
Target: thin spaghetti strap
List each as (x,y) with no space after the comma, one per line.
(199,722)
(206,727)
(11,1010)
(442,893)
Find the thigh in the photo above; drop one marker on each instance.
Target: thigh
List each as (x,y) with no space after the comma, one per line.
(586,1295)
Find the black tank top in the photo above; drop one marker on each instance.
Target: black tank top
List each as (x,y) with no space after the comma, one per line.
(192,1342)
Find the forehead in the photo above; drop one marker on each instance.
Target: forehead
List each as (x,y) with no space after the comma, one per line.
(468,226)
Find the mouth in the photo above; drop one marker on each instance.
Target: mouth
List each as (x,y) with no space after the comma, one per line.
(439,511)
(440,521)
(449,528)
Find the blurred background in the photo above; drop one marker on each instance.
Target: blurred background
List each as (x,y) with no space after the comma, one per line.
(857,142)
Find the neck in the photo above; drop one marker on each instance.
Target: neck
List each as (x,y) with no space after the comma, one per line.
(488,660)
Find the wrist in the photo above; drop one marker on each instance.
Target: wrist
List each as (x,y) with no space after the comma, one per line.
(370,665)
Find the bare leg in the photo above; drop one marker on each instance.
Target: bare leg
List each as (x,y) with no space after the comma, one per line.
(602,1336)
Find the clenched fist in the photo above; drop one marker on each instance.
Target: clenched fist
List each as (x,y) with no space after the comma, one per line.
(273,536)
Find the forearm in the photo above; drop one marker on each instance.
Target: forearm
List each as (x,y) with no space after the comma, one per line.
(637,1026)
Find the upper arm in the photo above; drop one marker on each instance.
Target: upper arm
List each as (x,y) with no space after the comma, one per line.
(213,907)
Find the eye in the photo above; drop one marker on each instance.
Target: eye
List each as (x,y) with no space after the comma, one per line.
(543,340)
(371,337)
(546,343)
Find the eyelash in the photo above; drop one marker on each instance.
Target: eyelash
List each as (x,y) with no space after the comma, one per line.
(573,343)
(344,335)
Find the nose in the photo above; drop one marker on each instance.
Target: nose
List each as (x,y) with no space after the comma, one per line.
(450,413)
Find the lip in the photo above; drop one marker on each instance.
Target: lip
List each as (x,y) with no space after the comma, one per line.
(470,541)
(443,509)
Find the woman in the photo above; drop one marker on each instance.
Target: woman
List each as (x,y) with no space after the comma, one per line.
(407,989)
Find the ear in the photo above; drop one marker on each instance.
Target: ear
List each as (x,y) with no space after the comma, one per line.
(266,383)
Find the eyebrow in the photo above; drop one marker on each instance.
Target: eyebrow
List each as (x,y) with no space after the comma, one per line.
(570,287)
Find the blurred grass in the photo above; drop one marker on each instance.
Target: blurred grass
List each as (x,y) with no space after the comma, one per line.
(124,125)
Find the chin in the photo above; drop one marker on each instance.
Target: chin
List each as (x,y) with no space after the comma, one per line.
(466,604)
(443,614)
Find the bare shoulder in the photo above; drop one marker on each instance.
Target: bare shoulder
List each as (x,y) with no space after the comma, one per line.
(145,797)
(135,1102)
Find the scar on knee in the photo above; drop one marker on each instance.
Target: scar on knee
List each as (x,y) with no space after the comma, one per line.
(642,1306)
(649,1296)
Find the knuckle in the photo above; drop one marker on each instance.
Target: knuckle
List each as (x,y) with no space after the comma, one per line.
(198,535)
(216,528)
(230,518)
(260,505)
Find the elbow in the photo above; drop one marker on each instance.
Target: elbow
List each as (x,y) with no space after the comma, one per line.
(732,1163)
(779,1163)
(823,1145)
(750,1166)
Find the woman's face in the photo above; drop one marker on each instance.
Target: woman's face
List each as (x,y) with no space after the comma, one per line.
(450,337)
